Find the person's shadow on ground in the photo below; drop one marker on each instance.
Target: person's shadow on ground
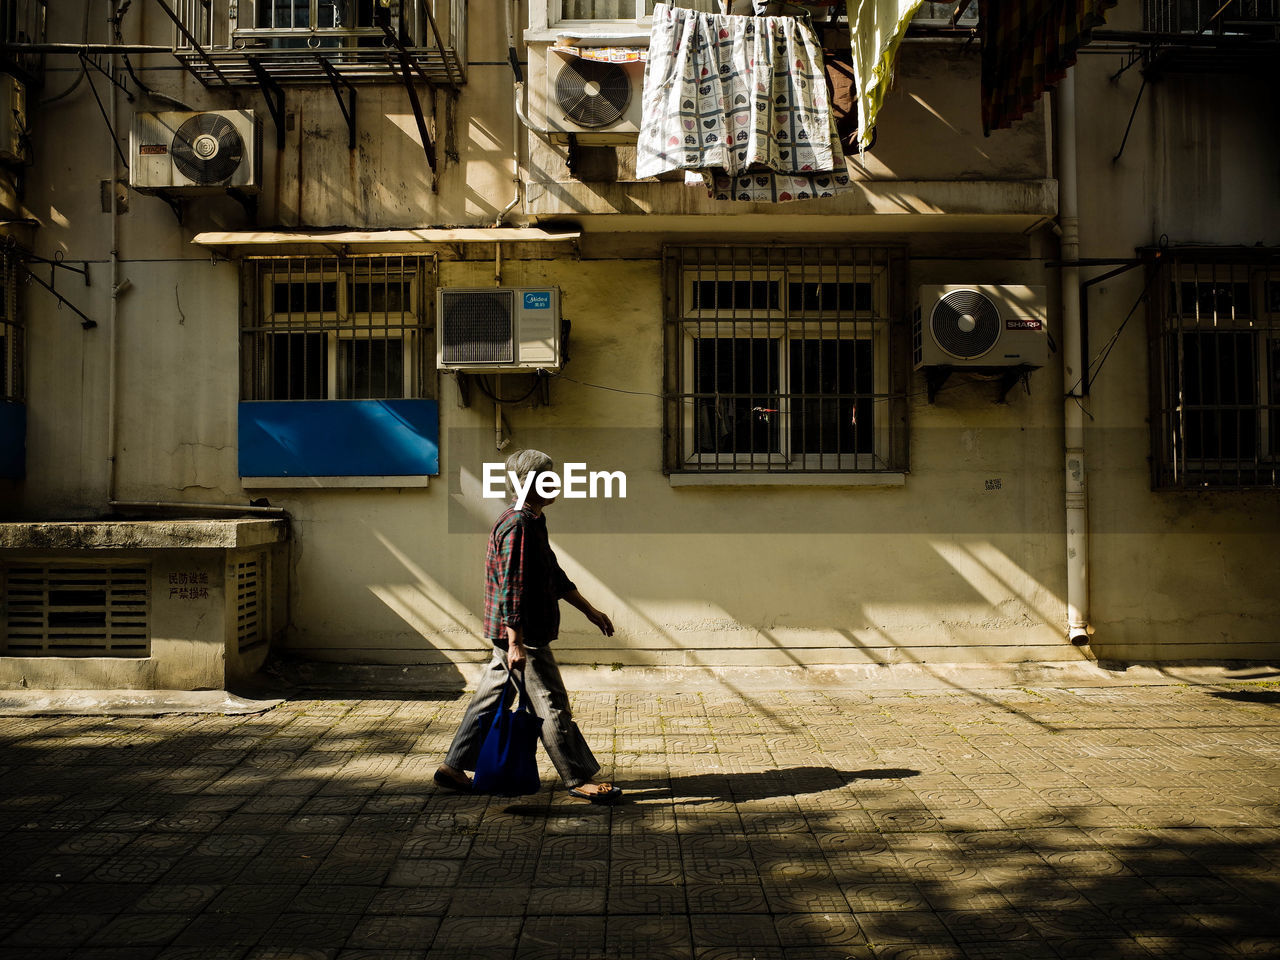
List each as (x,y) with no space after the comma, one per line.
(709,788)
(762,785)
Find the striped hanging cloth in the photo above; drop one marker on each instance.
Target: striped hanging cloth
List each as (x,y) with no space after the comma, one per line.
(1027,45)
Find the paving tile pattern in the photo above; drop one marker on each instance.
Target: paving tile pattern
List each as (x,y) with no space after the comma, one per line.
(1125,822)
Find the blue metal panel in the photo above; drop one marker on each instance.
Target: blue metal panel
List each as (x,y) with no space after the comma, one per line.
(13,439)
(339,438)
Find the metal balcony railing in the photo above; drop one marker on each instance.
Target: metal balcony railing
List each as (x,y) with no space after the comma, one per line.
(297,42)
(22,22)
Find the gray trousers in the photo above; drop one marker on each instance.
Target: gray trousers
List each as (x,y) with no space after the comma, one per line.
(560,735)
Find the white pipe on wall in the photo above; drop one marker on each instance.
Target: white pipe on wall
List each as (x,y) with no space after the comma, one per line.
(1078,629)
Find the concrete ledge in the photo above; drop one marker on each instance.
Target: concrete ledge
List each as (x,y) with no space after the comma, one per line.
(999,204)
(143,534)
(127,703)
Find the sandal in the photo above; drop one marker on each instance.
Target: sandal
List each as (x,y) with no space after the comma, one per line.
(612,795)
(450,782)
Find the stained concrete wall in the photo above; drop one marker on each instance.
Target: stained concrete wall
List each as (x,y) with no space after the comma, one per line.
(944,567)
(1191,574)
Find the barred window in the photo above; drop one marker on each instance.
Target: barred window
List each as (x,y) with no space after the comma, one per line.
(1215,361)
(11,329)
(785,360)
(337,328)
(1257,17)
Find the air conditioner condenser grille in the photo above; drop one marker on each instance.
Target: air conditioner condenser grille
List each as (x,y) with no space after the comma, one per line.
(207,148)
(593,94)
(965,323)
(476,327)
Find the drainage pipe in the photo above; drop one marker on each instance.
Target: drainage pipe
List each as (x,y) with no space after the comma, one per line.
(514,58)
(116,290)
(1073,365)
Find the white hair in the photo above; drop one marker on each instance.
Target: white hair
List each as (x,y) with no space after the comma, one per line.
(524,462)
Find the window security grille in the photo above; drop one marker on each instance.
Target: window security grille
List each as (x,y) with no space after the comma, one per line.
(11,329)
(337,328)
(68,610)
(786,359)
(1260,17)
(1215,370)
(250,603)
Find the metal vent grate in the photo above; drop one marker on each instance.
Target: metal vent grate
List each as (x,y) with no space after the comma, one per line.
(249,604)
(67,610)
(476,326)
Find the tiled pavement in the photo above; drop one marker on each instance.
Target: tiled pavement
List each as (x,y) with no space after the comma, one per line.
(1042,823)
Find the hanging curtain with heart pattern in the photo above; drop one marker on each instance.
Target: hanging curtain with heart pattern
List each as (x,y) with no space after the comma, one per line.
(744,101)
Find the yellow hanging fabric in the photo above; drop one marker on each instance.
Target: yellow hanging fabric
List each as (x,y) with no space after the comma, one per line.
(876,27)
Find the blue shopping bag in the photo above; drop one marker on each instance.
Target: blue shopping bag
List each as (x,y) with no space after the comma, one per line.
(508,762)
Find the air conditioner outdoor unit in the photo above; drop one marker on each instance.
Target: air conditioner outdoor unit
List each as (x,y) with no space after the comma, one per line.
(981,325)
(203,152)
(597,101)
(13,120)
(491,329)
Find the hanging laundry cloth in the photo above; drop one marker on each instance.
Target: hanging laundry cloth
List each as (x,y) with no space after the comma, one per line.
(1027,46)
(876,28)
(729,95)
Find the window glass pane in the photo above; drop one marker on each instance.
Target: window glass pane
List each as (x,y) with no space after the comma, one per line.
(370,369)
(597,10)
(281,14)
(1219,395)
(304,296)
(298,366)
(829,297)
(375,296)
(1208,300)
(736,410)
(824,418)
(741,295)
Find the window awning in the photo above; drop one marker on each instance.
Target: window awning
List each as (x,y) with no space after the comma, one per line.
(374,239)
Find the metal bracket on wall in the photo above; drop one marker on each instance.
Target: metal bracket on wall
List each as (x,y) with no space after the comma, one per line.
(249,201)
(273,93)
(407,69)
(186,35)
(86,321)
(349,107)
(1007,377)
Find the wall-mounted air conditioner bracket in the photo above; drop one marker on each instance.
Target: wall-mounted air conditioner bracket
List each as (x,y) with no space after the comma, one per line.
(1005,378)
(349,107)
(273,94)
(464,389)
(249,201)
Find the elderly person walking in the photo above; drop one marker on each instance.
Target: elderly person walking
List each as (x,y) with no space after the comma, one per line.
(523,588)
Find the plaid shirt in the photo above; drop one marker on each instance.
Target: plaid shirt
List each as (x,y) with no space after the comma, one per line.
(523,581)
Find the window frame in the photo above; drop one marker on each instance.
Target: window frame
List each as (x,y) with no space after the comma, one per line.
(882,324)
(342,324)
